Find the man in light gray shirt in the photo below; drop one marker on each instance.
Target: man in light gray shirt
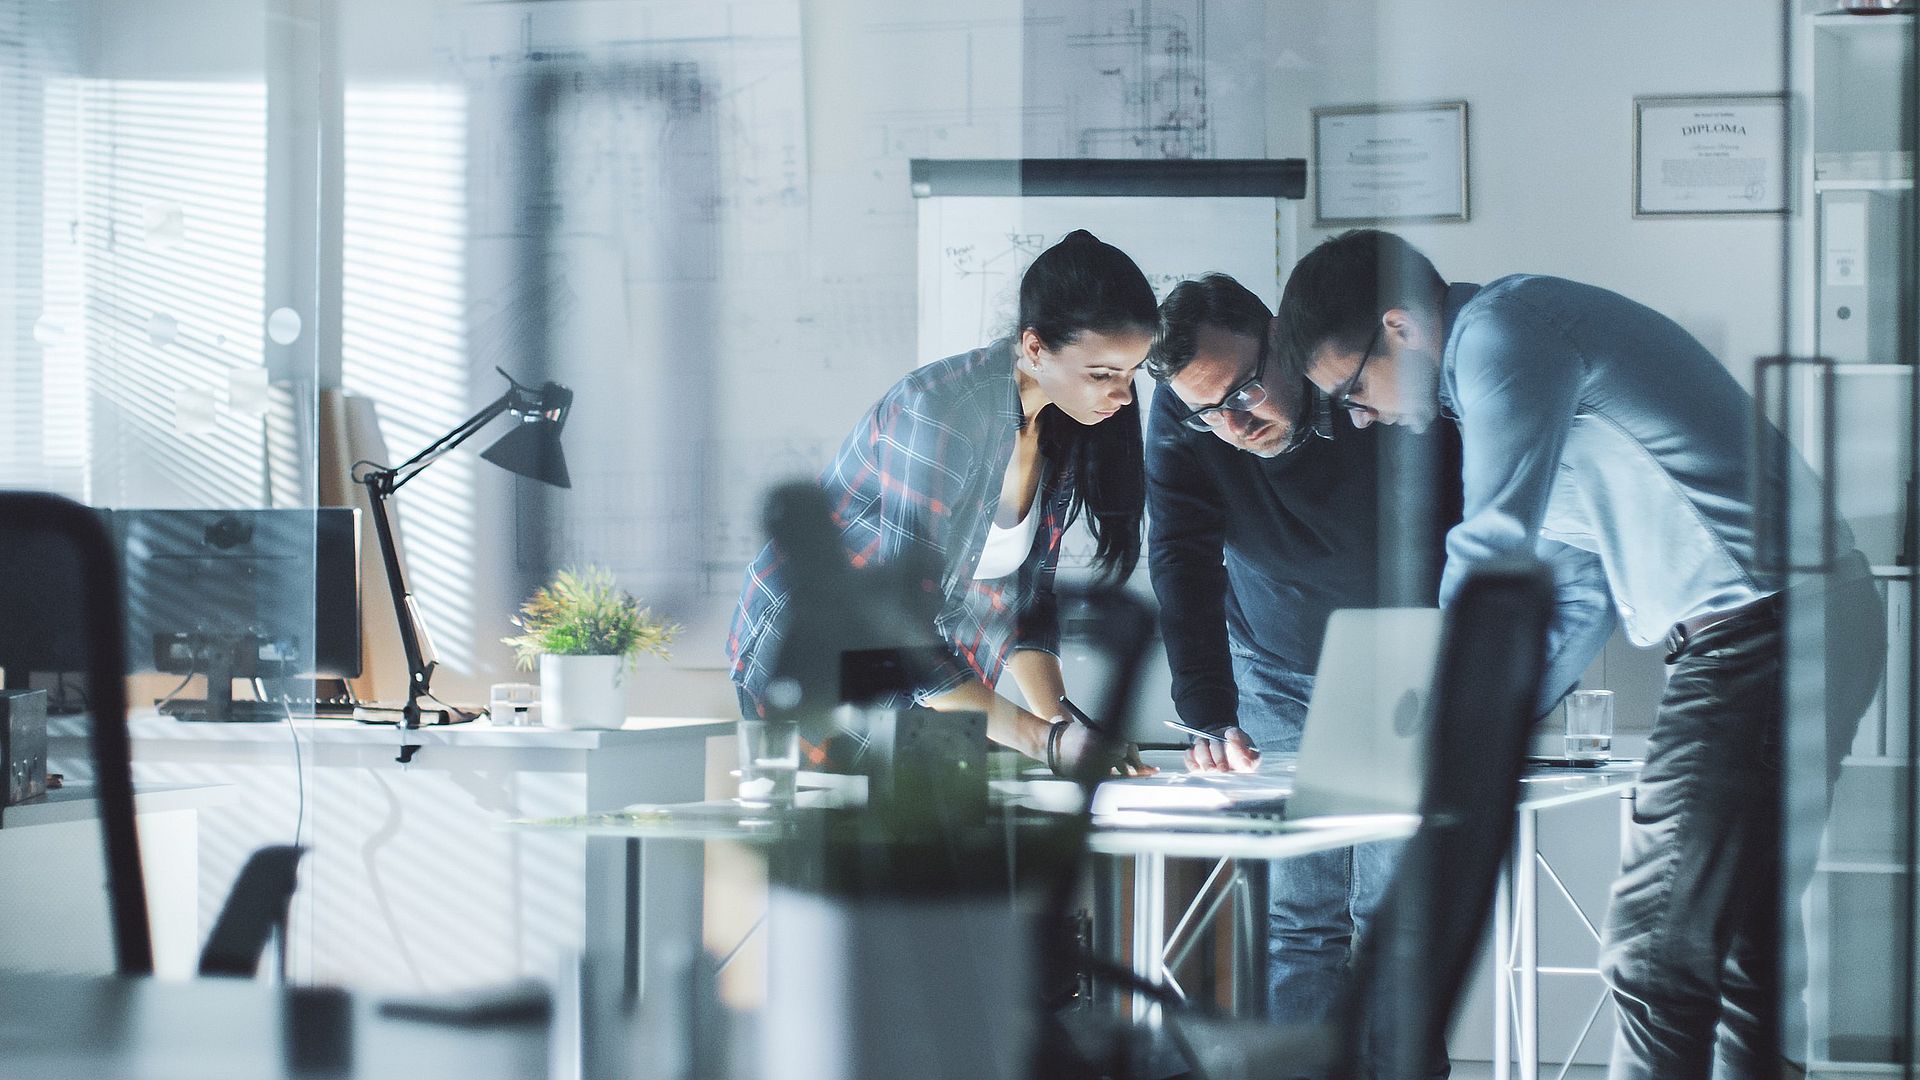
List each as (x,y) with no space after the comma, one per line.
(1598,434)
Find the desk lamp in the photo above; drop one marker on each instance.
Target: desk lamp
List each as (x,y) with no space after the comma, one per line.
(530,449)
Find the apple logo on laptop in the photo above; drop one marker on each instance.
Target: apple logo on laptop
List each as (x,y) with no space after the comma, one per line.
(1409,714)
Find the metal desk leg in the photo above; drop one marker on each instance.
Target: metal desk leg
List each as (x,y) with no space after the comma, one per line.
(1526,920)
(1149,926)
(1253,929)
(1109,913)
(634,946)
(1503,972)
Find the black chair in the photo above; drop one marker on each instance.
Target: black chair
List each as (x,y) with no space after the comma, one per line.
(61,609)
(255,914)
(1413,962)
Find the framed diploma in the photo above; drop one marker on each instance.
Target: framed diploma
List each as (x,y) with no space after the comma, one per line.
(1377,163)
(1709,155)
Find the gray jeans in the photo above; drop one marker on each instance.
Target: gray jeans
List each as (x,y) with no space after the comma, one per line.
(1693,943)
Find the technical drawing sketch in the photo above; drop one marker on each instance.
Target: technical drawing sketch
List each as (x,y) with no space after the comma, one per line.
(1144,79)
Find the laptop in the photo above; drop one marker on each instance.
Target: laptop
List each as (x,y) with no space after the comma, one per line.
(1364,748)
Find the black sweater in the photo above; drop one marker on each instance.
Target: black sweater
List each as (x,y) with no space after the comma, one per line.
(1267,548)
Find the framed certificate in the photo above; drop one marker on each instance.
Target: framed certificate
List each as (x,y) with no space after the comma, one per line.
(1376,163)
(1709,155)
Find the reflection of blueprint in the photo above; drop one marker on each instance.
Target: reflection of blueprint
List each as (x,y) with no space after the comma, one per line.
(1073,78)
(1144,79)
(666,176)
(737,61)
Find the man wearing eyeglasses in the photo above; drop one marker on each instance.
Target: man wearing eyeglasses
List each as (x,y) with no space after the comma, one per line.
(1264,517)
(1599,433)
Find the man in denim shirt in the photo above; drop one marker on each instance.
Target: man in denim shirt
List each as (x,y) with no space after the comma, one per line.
(1598,434)
(1263,519)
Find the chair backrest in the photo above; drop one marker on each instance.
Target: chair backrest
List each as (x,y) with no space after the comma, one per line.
(60,577)
(1414,959)
(255,913)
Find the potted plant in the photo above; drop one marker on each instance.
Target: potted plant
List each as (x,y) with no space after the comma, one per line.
(586,633)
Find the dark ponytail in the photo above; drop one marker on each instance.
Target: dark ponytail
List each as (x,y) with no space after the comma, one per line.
(1078,285)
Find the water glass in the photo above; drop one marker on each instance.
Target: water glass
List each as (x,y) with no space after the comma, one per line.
(1590,725)
(769,762)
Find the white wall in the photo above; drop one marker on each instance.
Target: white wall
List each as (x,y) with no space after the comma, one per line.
(1550,89)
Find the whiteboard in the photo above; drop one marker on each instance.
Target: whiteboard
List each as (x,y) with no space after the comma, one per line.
(973,249)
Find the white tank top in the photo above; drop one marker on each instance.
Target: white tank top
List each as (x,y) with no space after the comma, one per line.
(1006,549)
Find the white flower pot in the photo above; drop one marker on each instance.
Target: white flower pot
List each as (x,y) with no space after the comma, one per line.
(583,691)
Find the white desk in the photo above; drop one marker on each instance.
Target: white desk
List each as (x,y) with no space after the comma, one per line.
(53,886)
(411,886)
(1147,839)
(1516,913)
(103,1028)
(1516,910)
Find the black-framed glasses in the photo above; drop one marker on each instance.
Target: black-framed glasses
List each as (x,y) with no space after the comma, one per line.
(1247,396)
(1343,394)
(1315,419)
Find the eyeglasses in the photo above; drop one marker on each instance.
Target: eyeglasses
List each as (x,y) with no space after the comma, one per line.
(1314,422)
(1249,395)
(1342,395)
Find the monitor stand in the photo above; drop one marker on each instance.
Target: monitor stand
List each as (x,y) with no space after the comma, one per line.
(215,657)
(236,711)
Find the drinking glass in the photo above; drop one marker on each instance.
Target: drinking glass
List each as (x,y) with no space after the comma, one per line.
(769,762)
(1590,725)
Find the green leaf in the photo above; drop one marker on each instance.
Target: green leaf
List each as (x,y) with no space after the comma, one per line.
(585,613)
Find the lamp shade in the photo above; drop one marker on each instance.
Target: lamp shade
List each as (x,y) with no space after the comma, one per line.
(532,449)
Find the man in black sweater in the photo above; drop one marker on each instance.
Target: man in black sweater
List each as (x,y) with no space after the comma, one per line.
(1266,513)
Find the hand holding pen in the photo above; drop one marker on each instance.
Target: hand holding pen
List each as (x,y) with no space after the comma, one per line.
(1100,740)
(1227,750)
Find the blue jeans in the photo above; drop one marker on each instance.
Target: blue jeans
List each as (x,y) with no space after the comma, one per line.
(1320,904)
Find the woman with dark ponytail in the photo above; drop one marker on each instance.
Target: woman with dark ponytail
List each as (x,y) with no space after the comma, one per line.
(982,460)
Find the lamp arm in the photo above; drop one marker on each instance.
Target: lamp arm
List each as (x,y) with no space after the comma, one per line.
(381,483)
(467,429)
(419,669)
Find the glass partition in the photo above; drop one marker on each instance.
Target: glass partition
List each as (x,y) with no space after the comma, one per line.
(163,367)
(1846,396)
(271,263)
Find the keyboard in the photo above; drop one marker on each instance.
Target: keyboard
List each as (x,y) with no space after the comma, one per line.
(246,710)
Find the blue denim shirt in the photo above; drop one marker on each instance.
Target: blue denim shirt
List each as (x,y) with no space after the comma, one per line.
(1598,433)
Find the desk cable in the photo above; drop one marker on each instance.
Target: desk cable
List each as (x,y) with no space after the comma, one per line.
(175,692)
(299,765)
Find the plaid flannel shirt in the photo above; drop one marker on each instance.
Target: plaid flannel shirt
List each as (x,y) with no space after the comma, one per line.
(923,469)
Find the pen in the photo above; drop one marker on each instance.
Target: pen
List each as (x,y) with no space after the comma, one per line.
(1211,736)
(1131,764)
(1081,716)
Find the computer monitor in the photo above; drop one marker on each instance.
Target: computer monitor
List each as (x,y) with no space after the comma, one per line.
(241,594)
(39,632)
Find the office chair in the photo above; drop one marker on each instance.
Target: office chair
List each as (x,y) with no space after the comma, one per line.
(254,915)
(59,575)
(1412,964)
